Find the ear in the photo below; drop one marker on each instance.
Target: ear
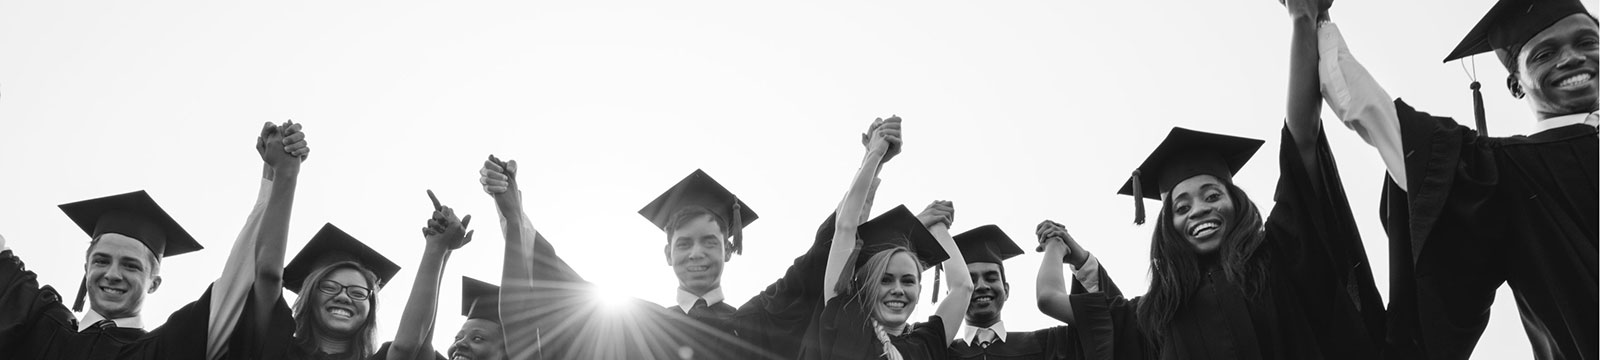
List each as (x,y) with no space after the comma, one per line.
(1007,286)
(155,283)
(666,252)
(727,250)
(1513,84)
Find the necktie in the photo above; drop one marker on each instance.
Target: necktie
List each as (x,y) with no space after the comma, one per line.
(985,337)
(700,309)
(101,326)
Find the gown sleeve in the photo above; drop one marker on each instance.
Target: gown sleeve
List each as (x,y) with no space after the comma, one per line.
(775,319)
(1108,323)
(22,302)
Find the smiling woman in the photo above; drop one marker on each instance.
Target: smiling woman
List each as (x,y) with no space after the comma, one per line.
(338,279)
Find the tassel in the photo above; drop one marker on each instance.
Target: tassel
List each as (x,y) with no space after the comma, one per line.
(1477,109)
(1138,200)
(83,291)
(737,228)
(937,269)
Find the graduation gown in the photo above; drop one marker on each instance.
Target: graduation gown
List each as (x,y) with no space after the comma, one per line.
(1487,210)
(1319,302)
(774,321)
(34,324)
(843,330)
(1052,343)
(383,352)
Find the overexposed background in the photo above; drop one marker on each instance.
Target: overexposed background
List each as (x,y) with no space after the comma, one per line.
(1017,111)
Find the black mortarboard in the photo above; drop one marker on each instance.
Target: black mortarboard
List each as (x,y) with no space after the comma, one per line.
(1184,154)
(699,190)
(330,246)
(1504,30)
(480,300)
(134,215)
(900,227)
(987,244)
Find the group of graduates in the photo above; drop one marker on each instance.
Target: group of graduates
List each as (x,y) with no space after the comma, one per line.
(1464,212)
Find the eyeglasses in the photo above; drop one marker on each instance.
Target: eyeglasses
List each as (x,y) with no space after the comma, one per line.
(333,288)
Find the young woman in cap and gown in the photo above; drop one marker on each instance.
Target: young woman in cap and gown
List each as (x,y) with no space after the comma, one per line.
(703,222)
(1224,283)
(444,233)
(1466,212)
(874,273)
(337,278)
(131,235)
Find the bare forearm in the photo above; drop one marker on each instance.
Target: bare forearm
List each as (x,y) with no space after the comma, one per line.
(416,323)
(954,309)
(1051,285)
(850,214)
(1305,94)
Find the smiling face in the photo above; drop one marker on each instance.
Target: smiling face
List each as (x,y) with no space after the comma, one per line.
(340,314)
(696,252)
(1201,207)
(120,272)
(897,290)
(1557,67)
(989,293)
(479,339)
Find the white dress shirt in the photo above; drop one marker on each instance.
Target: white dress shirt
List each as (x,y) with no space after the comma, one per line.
(91,317)
(686,300)
(970,333)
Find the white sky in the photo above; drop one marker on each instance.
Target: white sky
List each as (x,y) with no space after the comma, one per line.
(1017,111)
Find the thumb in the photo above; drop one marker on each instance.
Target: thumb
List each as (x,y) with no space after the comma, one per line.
(511,167)
(466,221)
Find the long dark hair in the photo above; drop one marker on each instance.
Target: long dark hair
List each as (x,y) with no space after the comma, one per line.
(1175,268)
(305,314)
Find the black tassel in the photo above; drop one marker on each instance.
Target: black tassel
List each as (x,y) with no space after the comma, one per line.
(83,291)
(737,228)
(1138,200)
(937,269)
(1477,109)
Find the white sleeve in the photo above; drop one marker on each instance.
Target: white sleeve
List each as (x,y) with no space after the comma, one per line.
(1089,274)
(1358,100)
(229,292)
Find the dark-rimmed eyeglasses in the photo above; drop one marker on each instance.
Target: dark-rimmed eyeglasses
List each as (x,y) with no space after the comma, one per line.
(333,288)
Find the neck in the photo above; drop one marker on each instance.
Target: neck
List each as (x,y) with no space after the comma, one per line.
(983,323)
(697,292)
(332,345)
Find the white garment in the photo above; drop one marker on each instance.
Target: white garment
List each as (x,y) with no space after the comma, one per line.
(686,300)
(91,317)
(969,333)
(1089,274)
(1357,99)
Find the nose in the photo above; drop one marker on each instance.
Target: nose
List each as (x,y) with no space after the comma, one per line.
(113,274)
(459,346)
(1571,57)
(1201,210)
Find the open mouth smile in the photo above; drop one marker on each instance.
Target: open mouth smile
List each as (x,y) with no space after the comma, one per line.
(1576,81)
(1204,229)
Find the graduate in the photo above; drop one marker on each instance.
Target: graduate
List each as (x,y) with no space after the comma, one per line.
(874,271)
(480,338)
(444,233)
(129,235)
(984,335)
(556,315)
(1224,283)
(229,302)
(1466,212)
(337,278)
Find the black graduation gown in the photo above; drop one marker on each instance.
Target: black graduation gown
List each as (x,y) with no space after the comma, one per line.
(1320,301)
(1052,343)
(1486,210)
(843,330)
(34,324)
(184,334)
(775,320)
(383,352)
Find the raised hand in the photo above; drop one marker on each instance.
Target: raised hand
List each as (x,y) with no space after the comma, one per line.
(1049,231)
(444,229)
(939,211)
(282,148)
(294,141)
(883,135)
(499,179)
(1310,9)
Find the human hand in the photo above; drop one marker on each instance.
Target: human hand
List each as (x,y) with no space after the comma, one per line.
(499,179)
(1049,231)
(939,211)
(278,147)
(1309,9)
(884,136)
(445,230)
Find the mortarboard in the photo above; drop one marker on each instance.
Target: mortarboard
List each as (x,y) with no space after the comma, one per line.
(987,244)
(1184,154)
(898,227)
(699,190)
(480,300)
(134,215)
(331,245)
(1507,26)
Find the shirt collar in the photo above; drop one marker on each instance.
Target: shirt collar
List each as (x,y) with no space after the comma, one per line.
(686,300)
(968,332)
(1560,121)
(90,317)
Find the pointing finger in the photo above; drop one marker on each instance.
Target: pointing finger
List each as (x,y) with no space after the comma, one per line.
(435,199)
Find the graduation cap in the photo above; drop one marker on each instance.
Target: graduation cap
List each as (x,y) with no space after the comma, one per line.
(480,300)
(1184,154)
(698,190)
(1504,30)
(330,246)
(134,215)
(899,227)
(986,244)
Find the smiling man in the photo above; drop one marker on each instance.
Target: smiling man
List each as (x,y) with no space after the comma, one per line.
(1466,212)
(984,336)
(130,235)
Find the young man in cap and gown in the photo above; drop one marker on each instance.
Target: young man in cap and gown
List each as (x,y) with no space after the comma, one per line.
(444,233)
(1466,212)
(984,335)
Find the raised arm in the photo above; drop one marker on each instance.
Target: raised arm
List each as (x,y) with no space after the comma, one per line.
(852,211)
(1305,96)
(954,309)
(445,233)
(1356,98)
(1051,285)
(283,149)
